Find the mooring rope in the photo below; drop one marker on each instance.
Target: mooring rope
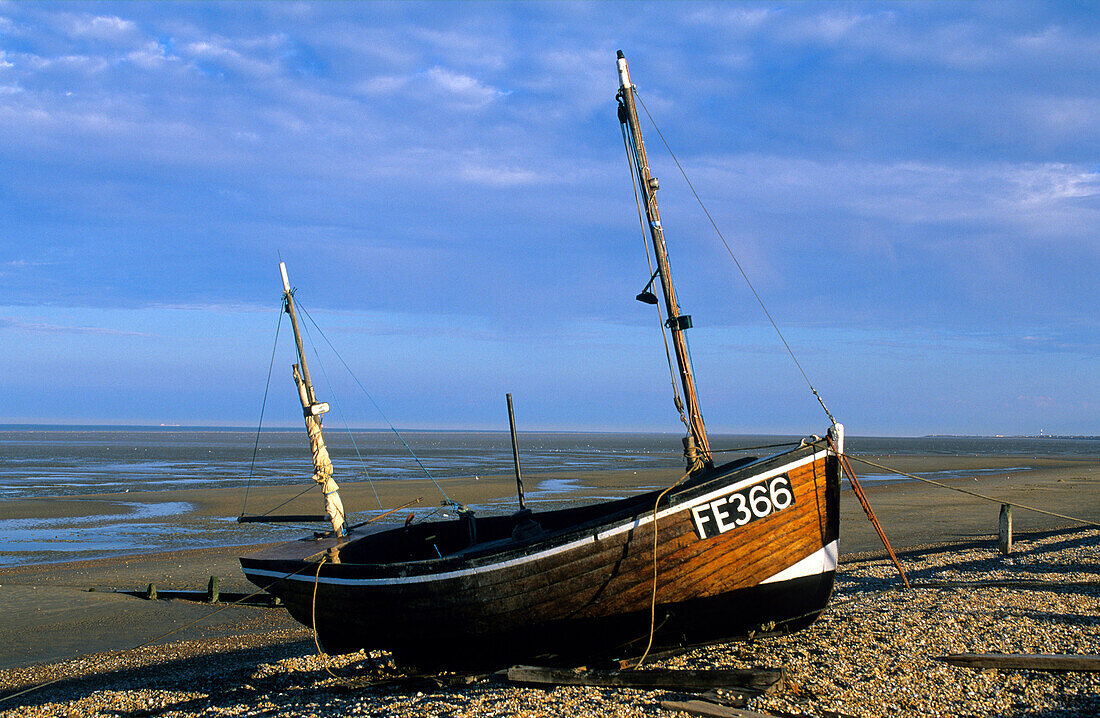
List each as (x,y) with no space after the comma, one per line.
(653,601)
(972,493)
(736,262)
(313,618)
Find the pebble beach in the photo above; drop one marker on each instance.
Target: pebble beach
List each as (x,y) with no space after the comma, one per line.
(872,653)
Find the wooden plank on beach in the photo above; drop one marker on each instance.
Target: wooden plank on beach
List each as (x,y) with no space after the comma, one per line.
(1025,661)
(713,710)
(1009,583)
(756,679)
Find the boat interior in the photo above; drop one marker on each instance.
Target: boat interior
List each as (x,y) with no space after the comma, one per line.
(470,536)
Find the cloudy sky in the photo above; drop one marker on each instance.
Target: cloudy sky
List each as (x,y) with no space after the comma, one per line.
(914,190)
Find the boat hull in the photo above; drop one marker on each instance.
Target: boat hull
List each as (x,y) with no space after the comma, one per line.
(744,550)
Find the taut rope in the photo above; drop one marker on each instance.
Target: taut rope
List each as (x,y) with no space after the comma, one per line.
(973,493)
(263,406)
(734,258)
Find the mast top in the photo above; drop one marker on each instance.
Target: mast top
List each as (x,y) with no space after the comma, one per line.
(624,75)
(286,282)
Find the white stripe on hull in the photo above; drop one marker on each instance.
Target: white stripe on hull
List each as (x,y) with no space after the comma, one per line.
(821,561)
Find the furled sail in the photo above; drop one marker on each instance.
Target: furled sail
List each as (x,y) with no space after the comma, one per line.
(322,464)
(312,410)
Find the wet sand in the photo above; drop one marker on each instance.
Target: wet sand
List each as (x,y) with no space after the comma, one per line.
(50,614)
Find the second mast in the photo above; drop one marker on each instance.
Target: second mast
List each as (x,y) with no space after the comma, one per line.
(312,410)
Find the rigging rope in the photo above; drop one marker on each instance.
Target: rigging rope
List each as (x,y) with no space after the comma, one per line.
(736,262)
(628,143)
(267,387)
(336,400)
(312,485)
(971,493)
(753,448)
(382,413)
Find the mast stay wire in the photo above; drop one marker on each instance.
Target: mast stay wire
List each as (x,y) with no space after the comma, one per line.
(340,411)
(627,144)
(381,413)
(263,406)
(736,262)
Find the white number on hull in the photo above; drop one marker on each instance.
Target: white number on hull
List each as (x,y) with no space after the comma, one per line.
(742,507)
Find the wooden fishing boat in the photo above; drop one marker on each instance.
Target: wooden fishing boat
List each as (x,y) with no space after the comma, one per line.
(729,551)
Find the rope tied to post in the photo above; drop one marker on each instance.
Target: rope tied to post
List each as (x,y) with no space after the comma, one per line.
(975,494)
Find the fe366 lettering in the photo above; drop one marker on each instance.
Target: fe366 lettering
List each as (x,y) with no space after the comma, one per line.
(742,507)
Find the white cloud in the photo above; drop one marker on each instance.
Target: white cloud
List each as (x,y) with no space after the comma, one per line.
(1063,116)
(85,64)
(103,28)
(1041,198)
(456,88)
(468,46)
(149,56)
(740,18)
(498,176)
(463,87)
(219,51)
(383,85)
(1049,183)
(830,27)
(47,328)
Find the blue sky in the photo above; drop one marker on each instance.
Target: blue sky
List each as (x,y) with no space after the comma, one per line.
(914,189)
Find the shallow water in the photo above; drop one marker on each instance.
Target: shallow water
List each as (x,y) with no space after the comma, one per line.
(79,462)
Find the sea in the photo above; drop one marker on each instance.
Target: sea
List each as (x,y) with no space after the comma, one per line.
(78,462)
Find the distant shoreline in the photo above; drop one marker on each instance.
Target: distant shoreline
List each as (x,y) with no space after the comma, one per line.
(566,432)
(299,428)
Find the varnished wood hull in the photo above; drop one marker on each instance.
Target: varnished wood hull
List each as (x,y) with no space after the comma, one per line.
(726,567)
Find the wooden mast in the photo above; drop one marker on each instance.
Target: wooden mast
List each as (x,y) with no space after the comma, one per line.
(312,410)
(696,445)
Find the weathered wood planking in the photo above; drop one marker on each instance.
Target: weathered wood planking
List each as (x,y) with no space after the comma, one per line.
(1025,661)
(713,710)
(755,679)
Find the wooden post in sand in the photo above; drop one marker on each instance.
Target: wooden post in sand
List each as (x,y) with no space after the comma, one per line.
(1005,531)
